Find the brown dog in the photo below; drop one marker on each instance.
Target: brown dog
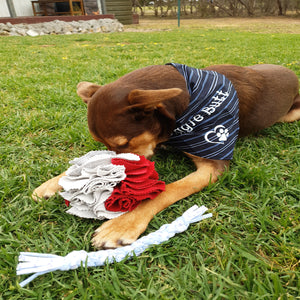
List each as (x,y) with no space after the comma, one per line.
(141,109)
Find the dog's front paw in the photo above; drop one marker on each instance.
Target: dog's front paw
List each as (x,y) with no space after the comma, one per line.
(119,232)
(43,191)
(47,189)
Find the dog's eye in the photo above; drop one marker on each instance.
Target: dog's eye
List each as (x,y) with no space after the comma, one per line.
(134,110)
(140,114)
(139,117)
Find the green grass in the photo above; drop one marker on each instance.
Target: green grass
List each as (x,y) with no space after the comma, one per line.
(248,250)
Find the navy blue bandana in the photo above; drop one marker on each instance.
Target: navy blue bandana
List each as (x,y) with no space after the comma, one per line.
(209,127)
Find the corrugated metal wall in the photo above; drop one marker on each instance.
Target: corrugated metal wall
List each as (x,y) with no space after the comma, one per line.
(121,9)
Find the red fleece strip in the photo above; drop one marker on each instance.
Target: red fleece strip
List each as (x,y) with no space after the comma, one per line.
(141,183)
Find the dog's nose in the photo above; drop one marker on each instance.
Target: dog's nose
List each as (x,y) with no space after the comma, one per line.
(149,154)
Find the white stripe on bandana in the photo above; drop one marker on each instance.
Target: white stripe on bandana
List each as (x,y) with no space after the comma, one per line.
(209,127)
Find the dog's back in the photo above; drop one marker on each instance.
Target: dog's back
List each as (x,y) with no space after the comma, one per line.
(266,93)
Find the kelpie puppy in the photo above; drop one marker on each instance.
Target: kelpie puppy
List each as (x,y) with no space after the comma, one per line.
(199,111)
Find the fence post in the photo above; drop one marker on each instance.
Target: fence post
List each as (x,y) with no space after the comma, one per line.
(178,13)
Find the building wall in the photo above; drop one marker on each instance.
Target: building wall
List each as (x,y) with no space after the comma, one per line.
(4,10)
(121,9)
(22,8)
(90,6)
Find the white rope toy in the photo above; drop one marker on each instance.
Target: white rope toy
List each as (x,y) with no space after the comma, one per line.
(44,263)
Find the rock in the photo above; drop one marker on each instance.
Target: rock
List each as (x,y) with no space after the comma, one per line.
(21,31)
(31,32)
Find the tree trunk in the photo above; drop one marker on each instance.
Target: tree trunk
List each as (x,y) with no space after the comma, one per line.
(249,5)
(280,12)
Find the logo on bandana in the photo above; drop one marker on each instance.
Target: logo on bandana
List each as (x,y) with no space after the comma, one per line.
(219,133)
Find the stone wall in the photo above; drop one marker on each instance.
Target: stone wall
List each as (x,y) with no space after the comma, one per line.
(61,27)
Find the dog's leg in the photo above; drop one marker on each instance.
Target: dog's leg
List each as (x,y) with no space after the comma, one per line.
(126,229)
(294,112)
(48,188)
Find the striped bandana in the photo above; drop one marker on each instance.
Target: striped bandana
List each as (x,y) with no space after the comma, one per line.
(209,127)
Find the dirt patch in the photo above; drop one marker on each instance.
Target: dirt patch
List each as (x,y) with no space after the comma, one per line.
(259,25)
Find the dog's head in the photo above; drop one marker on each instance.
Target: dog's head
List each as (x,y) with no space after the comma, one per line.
(136,112)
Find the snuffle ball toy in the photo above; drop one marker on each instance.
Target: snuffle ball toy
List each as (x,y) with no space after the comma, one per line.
(103,184)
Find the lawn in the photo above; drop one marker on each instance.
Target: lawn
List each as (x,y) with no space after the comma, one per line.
(249,249)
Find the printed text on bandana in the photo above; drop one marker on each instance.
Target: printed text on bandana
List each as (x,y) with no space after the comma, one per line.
(204,113)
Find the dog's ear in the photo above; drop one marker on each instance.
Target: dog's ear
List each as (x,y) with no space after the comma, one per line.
(150,100)
(86,90)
